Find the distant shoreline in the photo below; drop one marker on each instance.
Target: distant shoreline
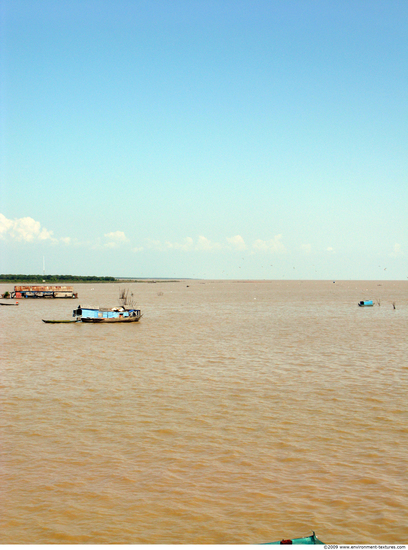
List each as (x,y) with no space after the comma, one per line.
(79,279)
(65,279)
(54,279)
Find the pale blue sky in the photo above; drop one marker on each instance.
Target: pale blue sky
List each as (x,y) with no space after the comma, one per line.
(218,139)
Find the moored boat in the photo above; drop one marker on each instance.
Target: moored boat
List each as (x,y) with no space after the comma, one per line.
(311,539)
(121,314)
(43,291)
(54,321)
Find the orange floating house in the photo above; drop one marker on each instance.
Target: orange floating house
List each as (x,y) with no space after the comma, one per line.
(41,291)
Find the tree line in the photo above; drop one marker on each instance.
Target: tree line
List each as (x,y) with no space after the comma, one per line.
(19,278)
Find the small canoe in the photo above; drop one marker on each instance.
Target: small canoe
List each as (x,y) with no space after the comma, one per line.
(312,539)
(57,321)
(2,304)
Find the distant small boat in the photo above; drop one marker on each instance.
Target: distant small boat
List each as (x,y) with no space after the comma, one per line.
(366,303)
(312,539)
(53,321)
(3,304)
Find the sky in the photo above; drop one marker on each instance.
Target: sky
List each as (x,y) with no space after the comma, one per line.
(219,139)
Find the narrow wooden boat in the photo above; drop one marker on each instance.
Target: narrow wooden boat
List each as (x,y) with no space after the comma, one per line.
(53,321)
(312,539)
(2,304)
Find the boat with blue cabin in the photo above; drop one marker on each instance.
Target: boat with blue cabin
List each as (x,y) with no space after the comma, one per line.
(119,314)
(311,539)
(366,303)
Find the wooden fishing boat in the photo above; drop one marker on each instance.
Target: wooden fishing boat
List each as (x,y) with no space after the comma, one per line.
(3,304)
(311,539)
(132,319)
(121,314)
(125,313)
(53,321)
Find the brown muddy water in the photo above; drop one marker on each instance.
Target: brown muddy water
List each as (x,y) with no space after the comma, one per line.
(234,412)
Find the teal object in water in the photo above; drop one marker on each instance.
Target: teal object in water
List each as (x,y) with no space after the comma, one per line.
(312,539)
(365,303)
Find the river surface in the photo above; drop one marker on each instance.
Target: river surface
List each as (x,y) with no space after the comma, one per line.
(234,412)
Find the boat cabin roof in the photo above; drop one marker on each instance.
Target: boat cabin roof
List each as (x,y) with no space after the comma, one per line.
(116,308)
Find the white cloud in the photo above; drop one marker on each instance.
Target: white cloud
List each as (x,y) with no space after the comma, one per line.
(115,238)
(5,226)
(24,229)
(237,242)
(330,249)
(396,252)
(273,245)
(186,245)
(205,244)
